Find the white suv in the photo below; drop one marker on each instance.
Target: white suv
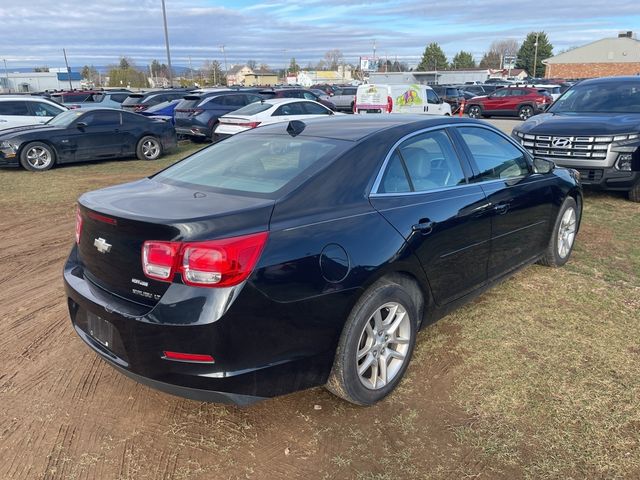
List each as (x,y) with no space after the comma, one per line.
(18,110)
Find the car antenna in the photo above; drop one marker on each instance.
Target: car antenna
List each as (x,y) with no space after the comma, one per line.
(295,127)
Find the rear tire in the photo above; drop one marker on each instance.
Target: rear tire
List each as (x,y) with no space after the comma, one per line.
(37,157)
(474,111)
(634,193)
(376,344)
(563,237)
(149,148)
(525,112)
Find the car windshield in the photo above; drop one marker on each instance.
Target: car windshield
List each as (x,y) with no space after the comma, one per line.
(253,164)
(623,97)
(252,109)
(65,118)
(133,99)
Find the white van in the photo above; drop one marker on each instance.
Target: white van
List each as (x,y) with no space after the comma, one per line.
(399,98)
(19,110)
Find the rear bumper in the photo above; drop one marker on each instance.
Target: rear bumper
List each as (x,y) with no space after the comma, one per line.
(259,351)
(194,131)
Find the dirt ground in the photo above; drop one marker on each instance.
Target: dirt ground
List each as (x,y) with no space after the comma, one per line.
(66,414)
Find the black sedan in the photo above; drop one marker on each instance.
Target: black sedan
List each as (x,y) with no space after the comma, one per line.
(305,254)
(79,135)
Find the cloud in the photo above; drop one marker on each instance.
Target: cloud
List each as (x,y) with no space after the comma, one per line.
(273,31)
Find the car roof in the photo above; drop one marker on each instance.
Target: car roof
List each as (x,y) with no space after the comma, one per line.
(605,80)
(28,98)
(357,127)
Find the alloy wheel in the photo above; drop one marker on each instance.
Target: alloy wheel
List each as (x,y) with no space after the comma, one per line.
(566,232)
(150,149)
(525,113)
(39,157)
(383,346)
(474,112)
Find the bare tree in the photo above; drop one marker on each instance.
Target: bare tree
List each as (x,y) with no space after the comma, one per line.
(508,47)
(333,59)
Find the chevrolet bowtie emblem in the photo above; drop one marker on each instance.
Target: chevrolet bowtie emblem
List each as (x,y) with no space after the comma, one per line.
(102,245)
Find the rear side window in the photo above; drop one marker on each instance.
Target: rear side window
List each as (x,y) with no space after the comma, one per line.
(349,91)
(253,164)
(233,100)
(119,97)
(496,157)
(426,161)
(16,107)
(133,99)
(294,108)
(314,109)
(309,96)
(253,109)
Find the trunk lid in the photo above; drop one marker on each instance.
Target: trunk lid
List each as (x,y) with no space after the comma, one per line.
(118,220)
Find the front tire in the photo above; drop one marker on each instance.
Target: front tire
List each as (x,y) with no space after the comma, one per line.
(376,345)
(37,157)
(149,148)
(563,236)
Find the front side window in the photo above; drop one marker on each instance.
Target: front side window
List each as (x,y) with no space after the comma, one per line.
(289,109)
(101,119)
(309,96)
(44,109)
(425,162)
(496,157)
(432,97)
(315,109)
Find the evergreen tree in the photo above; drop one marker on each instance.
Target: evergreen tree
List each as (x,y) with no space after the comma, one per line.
(293,66)
(527,53)
(463,60)
(433,58)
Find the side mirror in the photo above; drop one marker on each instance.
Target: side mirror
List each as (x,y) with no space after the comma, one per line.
(541,165)
(81,126)
(440,100)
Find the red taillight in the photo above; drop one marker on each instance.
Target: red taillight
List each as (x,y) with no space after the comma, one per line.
(139,107)
(389,104)
(187,357)
(216,263)
(159,259)
(249,124)
(101,218)
(355,107)
(78,225)
(196,111)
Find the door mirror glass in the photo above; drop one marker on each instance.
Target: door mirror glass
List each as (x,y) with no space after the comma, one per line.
(81,125)
(541,165)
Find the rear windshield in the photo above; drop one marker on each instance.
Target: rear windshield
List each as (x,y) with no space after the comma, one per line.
(623,97)
(253,108)
(133,99)
(253,164)
(73,97)
(189,102)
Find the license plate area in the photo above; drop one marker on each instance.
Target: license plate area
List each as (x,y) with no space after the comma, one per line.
(100,330)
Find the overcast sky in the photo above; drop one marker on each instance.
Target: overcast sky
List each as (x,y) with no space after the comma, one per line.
(273,31)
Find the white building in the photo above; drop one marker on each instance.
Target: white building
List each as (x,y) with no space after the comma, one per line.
(23,82)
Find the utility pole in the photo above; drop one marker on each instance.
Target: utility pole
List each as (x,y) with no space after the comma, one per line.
(535,55)
(225,60)
(374,54)
(190,69)
(6,74)
(166,41)
(68,69)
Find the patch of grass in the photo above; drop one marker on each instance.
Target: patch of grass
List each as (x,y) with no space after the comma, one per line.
(552,374)
(64,184)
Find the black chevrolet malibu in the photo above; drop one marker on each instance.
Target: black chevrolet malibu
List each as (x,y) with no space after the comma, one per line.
(305,254)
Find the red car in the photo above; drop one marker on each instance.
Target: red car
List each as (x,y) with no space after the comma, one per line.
(523,102)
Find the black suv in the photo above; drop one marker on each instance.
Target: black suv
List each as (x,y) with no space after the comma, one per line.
(449,94)
(196,116)
(137,102)
(594,127)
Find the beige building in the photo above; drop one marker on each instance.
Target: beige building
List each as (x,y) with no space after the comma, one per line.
(603,58)
(263,79)
(237,74)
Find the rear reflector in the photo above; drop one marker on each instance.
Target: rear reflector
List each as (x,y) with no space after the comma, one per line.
(187,357)
(215,263)
(101,218)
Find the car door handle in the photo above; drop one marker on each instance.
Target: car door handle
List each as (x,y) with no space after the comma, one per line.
(501,208)
(424,226)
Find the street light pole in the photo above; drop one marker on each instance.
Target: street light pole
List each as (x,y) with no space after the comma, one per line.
(225,61)
(68,69)
(166,41)
(535,55)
